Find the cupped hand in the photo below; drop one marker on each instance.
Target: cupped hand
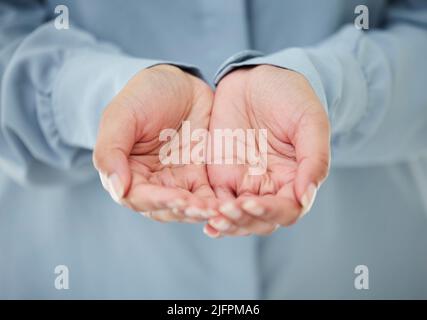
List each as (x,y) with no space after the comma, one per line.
(292,148)
(129,154)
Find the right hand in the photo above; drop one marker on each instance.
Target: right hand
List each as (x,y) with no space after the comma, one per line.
(296,150)
(127,148)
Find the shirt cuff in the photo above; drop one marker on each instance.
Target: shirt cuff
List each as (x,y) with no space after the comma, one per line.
(295,59)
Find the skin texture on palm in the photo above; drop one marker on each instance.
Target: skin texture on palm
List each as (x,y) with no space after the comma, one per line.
(128,145)
(283,103)
(128,153)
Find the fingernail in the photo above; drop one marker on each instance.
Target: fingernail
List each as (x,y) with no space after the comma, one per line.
(176,204)
(159,214)
(115,187)
(193,212)
(146,214)
(230,211)
(210,235)
(253,208)
(308,198)
(210,213)
(220,224)
(104,180)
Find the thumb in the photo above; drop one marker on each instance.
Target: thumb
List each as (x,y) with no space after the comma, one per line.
(116,138)
(312,144)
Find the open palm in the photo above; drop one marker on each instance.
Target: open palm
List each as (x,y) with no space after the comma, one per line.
(281,103)
(158,99)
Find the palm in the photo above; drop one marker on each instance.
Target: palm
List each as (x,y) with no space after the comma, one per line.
(282,110)
(153,102)
(250,112)
(145,158)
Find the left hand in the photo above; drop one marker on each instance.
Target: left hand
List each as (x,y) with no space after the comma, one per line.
(298,150)
(129,151)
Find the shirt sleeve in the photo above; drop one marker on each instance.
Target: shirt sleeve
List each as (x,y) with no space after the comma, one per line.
(372,84)
(54,86)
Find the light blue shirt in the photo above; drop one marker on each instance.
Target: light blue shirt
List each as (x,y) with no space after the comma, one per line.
(371,211)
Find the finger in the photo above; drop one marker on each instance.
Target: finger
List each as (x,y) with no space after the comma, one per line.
(241,226)
(149,197)
(233,221)
(274,209)
(223,195)
(210,204)
(168,216)
(225,227)
(115,140)
(191,220)
(231,213)
(312,142)
(256,228)
(160,215)
(211,232)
